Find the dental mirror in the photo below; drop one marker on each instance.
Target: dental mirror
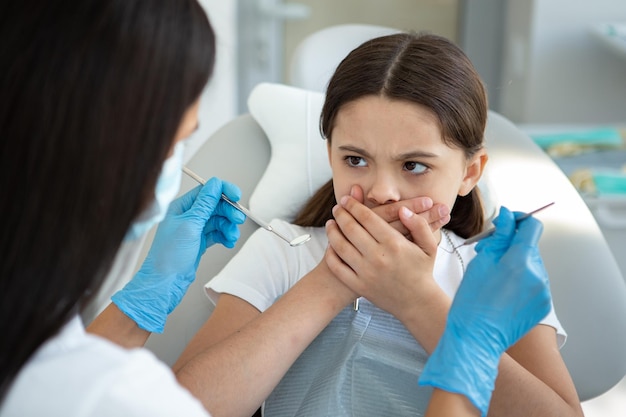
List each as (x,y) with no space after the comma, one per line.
(297,241)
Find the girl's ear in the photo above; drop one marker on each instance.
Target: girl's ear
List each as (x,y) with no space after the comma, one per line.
(473,172)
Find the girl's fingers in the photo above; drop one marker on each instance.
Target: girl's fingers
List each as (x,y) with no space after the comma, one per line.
(342,247)
(364,217)
(341,270)
(420,231)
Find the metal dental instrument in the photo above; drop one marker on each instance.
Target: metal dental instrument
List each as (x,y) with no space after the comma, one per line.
(489,232)
(297,241)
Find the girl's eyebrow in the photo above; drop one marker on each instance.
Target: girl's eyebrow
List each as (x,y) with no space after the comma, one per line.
(350,148)
(415,154)
(401,157)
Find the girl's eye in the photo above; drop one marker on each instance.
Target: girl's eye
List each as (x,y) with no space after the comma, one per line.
(415,167)
(355,161)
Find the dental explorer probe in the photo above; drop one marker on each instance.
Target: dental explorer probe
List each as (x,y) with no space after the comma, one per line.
(489,232)
(297,241)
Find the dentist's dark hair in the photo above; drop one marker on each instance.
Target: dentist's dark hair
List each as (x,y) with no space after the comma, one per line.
(93,93)
(420,68)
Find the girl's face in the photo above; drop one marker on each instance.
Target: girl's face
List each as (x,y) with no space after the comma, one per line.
(394,151)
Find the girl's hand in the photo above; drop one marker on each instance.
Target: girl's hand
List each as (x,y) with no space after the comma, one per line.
(436,215)
(376,261)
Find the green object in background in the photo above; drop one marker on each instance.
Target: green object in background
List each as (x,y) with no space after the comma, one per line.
(609,182)
(595,137)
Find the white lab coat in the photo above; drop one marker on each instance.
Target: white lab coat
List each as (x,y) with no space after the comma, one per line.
(78,374)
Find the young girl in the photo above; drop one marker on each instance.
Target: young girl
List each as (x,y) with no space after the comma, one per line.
(404,116)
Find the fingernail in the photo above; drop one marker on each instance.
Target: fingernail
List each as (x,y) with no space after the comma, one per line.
(443,210)
(344,200)
(406,212)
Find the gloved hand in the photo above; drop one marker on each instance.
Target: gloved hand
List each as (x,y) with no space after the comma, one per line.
(504,294)
(194,221)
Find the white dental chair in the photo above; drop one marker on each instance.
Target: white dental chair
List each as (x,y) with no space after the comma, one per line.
(277,158)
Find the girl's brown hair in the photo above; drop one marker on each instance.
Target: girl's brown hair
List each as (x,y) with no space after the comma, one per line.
(425,69)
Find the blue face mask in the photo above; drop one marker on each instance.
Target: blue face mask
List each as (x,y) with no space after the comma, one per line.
(167,188)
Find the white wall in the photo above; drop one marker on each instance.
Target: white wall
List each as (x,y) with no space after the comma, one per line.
(218,102)
(554,71)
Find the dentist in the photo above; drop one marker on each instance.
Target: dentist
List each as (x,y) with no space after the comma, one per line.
(98,98)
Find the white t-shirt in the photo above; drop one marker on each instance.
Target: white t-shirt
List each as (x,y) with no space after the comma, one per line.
(76,374)
(364,362)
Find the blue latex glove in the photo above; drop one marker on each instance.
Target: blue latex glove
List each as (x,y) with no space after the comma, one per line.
(194,221)
(504,294)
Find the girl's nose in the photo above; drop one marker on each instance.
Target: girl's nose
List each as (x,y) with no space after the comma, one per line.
(383,190)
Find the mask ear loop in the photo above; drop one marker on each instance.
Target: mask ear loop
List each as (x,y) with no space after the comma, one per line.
(454,250)
(448,246)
